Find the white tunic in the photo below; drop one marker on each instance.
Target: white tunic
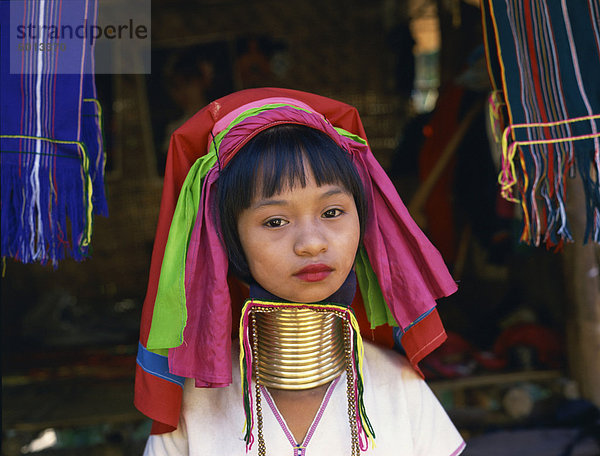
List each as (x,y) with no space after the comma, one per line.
(405,415)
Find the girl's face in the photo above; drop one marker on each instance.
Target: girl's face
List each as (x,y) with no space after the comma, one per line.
(300,244)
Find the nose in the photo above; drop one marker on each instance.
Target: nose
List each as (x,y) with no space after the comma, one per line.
(310,240)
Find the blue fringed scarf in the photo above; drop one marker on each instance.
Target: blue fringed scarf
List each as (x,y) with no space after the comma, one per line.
(52,159)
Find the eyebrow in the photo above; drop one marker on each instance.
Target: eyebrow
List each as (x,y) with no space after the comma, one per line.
(282,202)
(333,192)
(268,202)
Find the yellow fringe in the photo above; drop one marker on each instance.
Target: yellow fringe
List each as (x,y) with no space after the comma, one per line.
(509,152)
(85,163)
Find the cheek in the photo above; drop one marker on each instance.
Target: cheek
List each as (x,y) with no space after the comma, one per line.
(351,250)
(351,238)
(345,242)
(263,258)
(271,272)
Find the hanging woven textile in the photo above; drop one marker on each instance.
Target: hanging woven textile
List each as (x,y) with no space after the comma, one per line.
(52,155)
(544,63)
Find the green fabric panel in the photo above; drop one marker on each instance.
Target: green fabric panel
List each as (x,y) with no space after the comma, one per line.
(160,351)
(170,312)
(351,136)
(378,312)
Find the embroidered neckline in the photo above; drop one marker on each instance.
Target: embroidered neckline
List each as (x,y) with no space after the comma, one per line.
(300,448)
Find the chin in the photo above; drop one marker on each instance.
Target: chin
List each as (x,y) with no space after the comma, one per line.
(315,296)
(309,292)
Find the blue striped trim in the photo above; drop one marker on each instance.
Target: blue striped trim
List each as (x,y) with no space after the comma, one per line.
(156,365)
(398,332)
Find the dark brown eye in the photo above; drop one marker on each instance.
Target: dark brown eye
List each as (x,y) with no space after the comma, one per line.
(275,223)
(332,213)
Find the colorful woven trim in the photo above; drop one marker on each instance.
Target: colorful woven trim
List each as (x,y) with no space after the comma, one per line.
(157,365)
(366,433)
(508,179)
(37,248)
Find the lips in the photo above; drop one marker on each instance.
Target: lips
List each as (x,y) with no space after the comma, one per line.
(314,272)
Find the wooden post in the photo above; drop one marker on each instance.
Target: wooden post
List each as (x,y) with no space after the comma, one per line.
(582,269)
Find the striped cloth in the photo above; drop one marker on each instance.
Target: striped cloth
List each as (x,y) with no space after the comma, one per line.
(52,157)
(544,63)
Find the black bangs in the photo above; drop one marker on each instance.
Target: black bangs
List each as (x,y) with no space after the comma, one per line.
(274,161)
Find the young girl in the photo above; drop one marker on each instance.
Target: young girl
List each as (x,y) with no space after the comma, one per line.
(282,193)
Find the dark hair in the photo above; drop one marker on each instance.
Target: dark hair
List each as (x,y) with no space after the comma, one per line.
(272,161)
